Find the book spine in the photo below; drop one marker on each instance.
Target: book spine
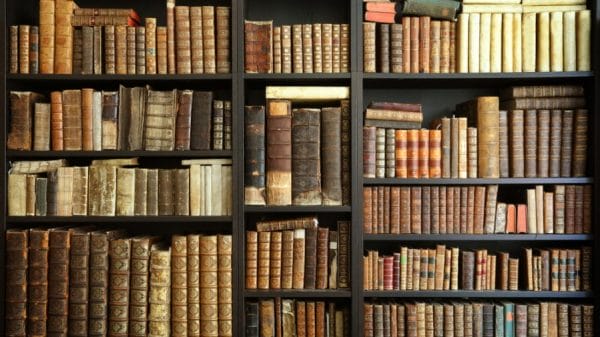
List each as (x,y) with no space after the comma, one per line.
(208,40)
(369,48)
(307,48)
(140,50)
(223,38)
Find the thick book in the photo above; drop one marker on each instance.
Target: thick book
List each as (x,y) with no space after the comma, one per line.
(201,126)
(17,242)
(254,191)
(161,114)
(279,153)
(20,136)
(159,285)
(331,156)
(58,281)
(258,42)
(306,156)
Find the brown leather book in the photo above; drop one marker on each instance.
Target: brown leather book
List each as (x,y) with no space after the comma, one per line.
(346,152)
(150,24)
(166,190)
(286,49)
(223,39)
(86,119)
(580,146)
(400,154)
(488,137)
(369,47)
(531,135)
(331,158)
(227,125)
(299,259)
(382,215)
(468,270)
(335,47)
(479,210)
(131,50)
(406,39)
(279,153)
(251,259)
(160,120)
(264,253)
(317,48)
(184,120)
(310,260)
(72,127)
(37,281)
(193,284)
(224,284)
(306,48)
(120,52)
(445,57)
(490,209)
(159,304)
(209,285)
(463,217)
(555,143)
(161,50)
(33,48)
(322,258)
(16,282)
(306,159)
(424,43)
(208,39)
(435,45)
(412,153)
(181,193)
(110,104)
(217,127)
(102,190)
(277,50)
(119,286)
(287,259)
(258,46)
(423,153)
(517,147)
(369,152)
(170,16)
(138,294)
(47,29)
(201,131)
(140,50)
(21,124)
(109,49)
(367,209)
(327,47)
(435,153)
(179,284)
(97,55)
(415,58)
(266,314)
(383,48)
(79,283)
(254,154)
(543,143)
(446,147)
(415,210)
(275,260)
(503,143)
(396,54)
(182,38)
(297,50)
(404,210)
(125,194)
(566,145)
(63,37)
(463,155)
(58,281)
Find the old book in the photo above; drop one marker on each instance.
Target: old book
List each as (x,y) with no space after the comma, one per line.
(307,93)
(152,192)
(182,36)
(463,155)
(227,125)
(310,260)
(302,47)
(383,48)
(159,286)
(335,47)
(275,260)
(414,44)
(298,264)
(110,104)
(161,50)
(286,49)
(72,127)
(252,260)
(80,191)
(306,161)
(217,127)
(33,47)
(119,275)
(580,129)
(79,282)
(120,51)
(193,284)
(224,285)
(140,50)
(278,163)
(264,251)
(40,193)
(330,151)
(63,36)
(109,49)
(41,125)
(566,144)
(150,25)
(184,120)
(258,46)
(97,56)
(472,152)
(179,286)
(583,28)
(166,192)
(435,44)
(529,53)
(555,142)
(485,39)
(37,280)
(474,27)
(277,50)
(102,190)
(16,285)
(569,41)
(131,50)
(170,18)
(161,113)
(14,49)
(208,39)
(543,143)
(254,141)
(21,124)
(317,48)
(327,47)
(47,30)
(380,153)
(369,47)
(209,323)
(530,137)
(543,42)
(396,52)
(251,319)
(58,281)
(125,196)
(139,271)
(201,126)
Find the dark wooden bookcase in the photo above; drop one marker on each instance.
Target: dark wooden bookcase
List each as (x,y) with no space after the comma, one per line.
(437,92)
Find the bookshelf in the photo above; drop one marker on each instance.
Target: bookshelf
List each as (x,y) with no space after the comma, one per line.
(438,93)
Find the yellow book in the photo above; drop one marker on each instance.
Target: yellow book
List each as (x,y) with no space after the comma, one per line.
(307,93)
(529,42)
(560,8)
(556,41)
(507,42)
(552,2)
(462,57)
(496,43)
(543,42)
(474,25)
(485,21)
(569,42)
(583,31)
(517,43)
(501,8)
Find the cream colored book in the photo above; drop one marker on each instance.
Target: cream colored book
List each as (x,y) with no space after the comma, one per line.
(217,189)
(507,42)
(552,2)
(543,42)
(501,8)
(462,56)
(485,25)
(569,42)
(17,194)
(540,9)
(196,176)
(583,31)
(307,93)
(207,191)
(556,41)
(39,166)
(539,208)
(474,25)
(116,162)
(517,43)
(529,42)
(226,190)
(531,212)
(188,162)
(496,43)
(125,204)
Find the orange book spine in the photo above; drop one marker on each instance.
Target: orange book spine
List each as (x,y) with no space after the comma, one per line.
(435,153)
(423,153)
(412,153)
(401,154)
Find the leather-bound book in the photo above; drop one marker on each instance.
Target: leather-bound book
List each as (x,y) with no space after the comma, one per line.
(97,120)
(217,127)
(40,193)
(64,191)
(286,49)
(424,43)
(412,153)
(297,52)
(423,155)
(98,56)
(63,36)
(87,97)
(181,193)
(182,38)
(120,43)
(435,45)
(322,258)
(530,137)
(131,50)
(580,146)
(152,192)
(446,147)
(327,46)
(208,39)
(435,153)
(41,125)
(110,104)
(317,48)
(224,274)
(184,120)
(161,114)
(335,48)
(503,139)
(405,206)
(543,143)
(138,302)
(131,123)
(72,127)
(140,50)
(415,210)
(369,47)
(170,18)
(109,49)
(254,154)
(369,151)
(383,48)
(331,158)
(79,283)
(58,281)
(227,125)
(33,47)
(201,131)
(150,24)
(166,189)
(396,54)
(102,190)
(179,284)
(566,144)
(406,44)
(161,50)
(346,151)
(415,44)
(516,143)
(306,48)
(488,137)
(125,199)
(80,191)
(306,157)
(279,146)
(367,209)
(14,49)
(193,284)
(390,153)
(47,29)
(264,259)
(37,281)
(287,259)
(258,46)
(299,259)
(310,260)
(159,291)
(16,282)
(21,125)
(119,286)
(463,154)
(223,34)
(252,259)
(266,316)
(251,319)
(275,260)
(208,285)
(555,143)
(490,208)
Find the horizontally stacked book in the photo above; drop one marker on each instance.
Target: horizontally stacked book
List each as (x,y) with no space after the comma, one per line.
(73,40)
(560,209)
(439,269)
(541,131)
(289,317)
(306,149)
(114,188)
(478,319)
(297,254)
(129,119)
(298,48)
(87,282)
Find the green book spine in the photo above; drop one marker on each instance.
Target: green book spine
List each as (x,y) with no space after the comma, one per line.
(509,320)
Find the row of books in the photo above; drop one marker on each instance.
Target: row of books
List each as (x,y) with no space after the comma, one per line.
(565,209)
(75,40)
(106,188)
(289,317)
(439,269)
(298,48)
(297,254)
(393,11)
(493,319)
(132,119)
(416,45)
(59,280)
(307,152)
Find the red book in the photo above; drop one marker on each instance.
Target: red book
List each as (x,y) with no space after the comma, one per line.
(388,273)
(384,7)
(511,217)
(521,218)
(382,17)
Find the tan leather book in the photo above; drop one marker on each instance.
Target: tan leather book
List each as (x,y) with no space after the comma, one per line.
(490,209)
(193,285)
(109,48)
(287,259)
(183,39)
(170,17)
(414,44)
(196,42)
(306,48)
(131,50)
(322,258)
(24,49)
(37,280)
(297,50)
(159,291)
(277,50)
(179,283)
(223,39)
(224,283)
(140,50)
(161,50)
(120,55)
(275,260)
(125,194)
(150,40)
(72,120)
(102,190)
(298,265)
(87,96)
(435,46)
(58,281)
(266,317)
(331,158)
(423,155)
(161,113)
(531,212)
(166,189)
(21,124)
(41,124)
(279,173)
(424,43)
(209,286)
(252,260)
(47,29)
(327,46)
(344,48)
(264,259)
(79,283)
(335,48)
(16,282)
(63,36)
(208,39)
(463,155)
(14,49)
(369,48)
(138,294)
(56,121)
(317,47)
(119,286)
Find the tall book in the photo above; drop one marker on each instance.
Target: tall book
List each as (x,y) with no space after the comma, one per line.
(208,39)
(278,159)
(209,322)
(224,285)
(63,36)
(331,120)
(138,299)
(58,281)
(16,282)
(306,159)
(159,291)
